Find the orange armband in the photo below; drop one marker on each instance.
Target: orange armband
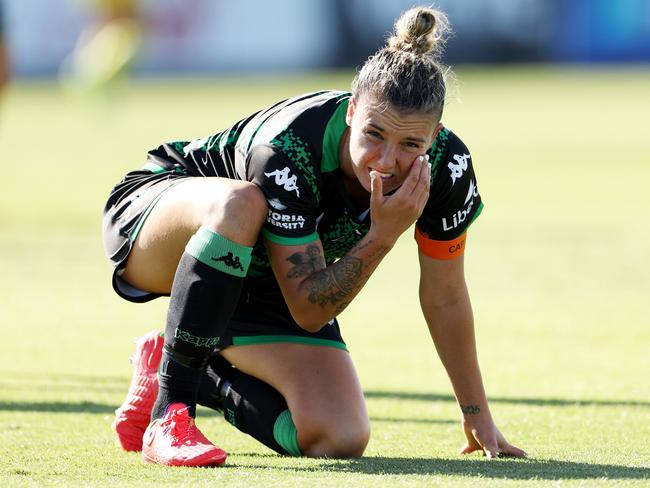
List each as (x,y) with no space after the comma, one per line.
(440,249)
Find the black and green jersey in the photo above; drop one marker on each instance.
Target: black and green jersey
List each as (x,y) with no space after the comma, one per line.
(290,151)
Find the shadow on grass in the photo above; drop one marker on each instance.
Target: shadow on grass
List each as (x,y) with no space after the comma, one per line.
(119,384)
(63,382)
(27,377)
(99,408)
(517,469)
(408,420)
(57,407)
(543,402)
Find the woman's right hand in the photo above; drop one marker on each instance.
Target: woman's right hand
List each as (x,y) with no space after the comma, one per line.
(391,215)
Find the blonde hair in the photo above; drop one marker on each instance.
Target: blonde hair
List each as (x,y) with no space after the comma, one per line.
(407,72)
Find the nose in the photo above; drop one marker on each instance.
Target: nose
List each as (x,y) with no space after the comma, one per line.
(386,159)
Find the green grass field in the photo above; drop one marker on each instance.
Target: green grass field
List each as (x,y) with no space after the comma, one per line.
(558,267)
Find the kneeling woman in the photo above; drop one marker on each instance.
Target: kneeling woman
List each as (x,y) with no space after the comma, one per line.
(263,233)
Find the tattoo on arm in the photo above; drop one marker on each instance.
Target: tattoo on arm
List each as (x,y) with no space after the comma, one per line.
(470,409)
(336,284)
(304,264)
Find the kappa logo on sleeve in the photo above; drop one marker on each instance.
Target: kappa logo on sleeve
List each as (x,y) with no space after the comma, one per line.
(459,167)
(285,180)
(195,145)
(460,216)
(277,204)
(472,192)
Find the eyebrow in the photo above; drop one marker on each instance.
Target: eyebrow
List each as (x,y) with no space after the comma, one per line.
(413,139)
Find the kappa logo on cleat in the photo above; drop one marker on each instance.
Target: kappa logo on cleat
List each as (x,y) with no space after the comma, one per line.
(230,260)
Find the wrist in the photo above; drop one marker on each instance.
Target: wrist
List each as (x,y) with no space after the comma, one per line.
(475,412)
(382,239)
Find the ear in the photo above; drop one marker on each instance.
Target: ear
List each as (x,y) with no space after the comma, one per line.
(350,113)
(436,130)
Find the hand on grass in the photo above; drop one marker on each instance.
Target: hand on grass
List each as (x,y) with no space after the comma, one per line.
(484,436)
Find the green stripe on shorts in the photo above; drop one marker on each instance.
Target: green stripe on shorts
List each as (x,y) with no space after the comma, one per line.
(274,339)
(147,211)
(153,167)
(289,241)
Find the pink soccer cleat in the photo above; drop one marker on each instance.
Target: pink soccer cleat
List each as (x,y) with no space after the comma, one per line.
(174,440)
(134,415)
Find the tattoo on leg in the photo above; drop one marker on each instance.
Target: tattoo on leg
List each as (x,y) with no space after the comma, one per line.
(470,409)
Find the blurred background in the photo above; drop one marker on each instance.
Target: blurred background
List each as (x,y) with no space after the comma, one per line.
(215,36)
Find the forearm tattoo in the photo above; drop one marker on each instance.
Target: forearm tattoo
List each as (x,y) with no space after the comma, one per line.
(333,285)
(336,285)
(304,264)
(470,409)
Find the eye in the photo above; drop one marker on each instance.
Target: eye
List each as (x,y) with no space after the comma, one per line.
(412,145)
(374,134)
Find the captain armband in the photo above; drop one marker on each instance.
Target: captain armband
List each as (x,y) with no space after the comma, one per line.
(440,249)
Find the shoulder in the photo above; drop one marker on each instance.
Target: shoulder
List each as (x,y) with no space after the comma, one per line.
(448,155)
(454,200)
(451,162)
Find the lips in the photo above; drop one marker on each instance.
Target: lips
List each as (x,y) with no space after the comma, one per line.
(383,176)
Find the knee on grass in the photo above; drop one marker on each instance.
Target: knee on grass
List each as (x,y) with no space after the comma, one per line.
(334,441)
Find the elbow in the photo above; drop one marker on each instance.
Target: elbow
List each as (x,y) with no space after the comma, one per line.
(309,322)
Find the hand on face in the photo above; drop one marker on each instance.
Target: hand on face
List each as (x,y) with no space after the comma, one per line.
(393,214)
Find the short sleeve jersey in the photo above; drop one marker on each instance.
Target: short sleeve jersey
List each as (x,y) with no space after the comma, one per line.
(291,152)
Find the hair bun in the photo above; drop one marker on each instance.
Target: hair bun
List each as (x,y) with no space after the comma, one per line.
(420,30)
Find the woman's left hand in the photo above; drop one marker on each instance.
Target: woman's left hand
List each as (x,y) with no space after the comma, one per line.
(483,435)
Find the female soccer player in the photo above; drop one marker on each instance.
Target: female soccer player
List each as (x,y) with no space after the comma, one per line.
(263,233)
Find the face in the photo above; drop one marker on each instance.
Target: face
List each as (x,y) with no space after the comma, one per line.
(385,141)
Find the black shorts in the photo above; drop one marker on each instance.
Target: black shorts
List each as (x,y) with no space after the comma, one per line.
(127,207)
(261,315)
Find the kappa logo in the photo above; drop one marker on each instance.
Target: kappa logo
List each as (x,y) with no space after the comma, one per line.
(283,179)
(472,192)
(194,145)
(459,168)
(185,336)
(230,260)
(460,216)
(277,204)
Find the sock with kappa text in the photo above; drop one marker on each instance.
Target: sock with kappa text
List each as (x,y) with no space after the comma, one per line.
(204,295)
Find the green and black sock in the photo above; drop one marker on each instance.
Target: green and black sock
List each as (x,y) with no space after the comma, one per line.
(251,405)
(204,295)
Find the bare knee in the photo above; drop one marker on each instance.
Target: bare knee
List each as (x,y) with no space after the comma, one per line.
(343,440)
(238,212)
